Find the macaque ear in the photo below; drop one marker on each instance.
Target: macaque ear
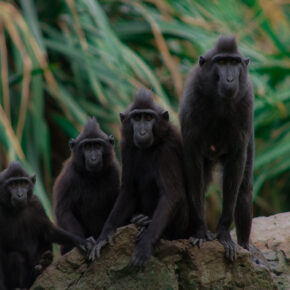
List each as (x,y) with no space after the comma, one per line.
(202,60)
(122,117)
(111,139)
(165,115)
(246,60)
(71,143)
(33,178)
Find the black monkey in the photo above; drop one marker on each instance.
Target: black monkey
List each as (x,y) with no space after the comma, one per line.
(44,261)
(26,233)
(152,178)
(88,185)
(142,222)
(216,117)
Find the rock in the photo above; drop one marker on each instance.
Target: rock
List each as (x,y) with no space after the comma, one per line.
(175,265)
(272,233)
(272,236)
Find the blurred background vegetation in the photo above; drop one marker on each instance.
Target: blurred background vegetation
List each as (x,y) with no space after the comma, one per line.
(65,60)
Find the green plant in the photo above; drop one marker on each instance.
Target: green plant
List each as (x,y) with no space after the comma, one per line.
(88,58)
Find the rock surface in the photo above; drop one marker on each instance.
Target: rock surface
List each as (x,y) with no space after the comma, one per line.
(272,236)
(179,265)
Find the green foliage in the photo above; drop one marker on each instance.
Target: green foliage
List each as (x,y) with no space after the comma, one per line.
(87,58)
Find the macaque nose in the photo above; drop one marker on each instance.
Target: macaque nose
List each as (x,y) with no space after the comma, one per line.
(19,194)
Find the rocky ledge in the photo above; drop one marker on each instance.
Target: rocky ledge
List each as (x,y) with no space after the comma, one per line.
(179,265)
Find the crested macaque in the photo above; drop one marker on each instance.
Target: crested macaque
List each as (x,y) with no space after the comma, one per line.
(216,115)
(88,185)
(26,233)
(152,179)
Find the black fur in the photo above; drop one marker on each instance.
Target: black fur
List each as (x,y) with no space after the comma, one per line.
(26,233)
(152,180)
(216,117)
(84,195)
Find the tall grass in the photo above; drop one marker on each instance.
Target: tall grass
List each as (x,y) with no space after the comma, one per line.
(87,58)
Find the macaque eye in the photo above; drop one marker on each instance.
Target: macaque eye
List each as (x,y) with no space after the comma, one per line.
(137,117)
(87,146)
(13,185)
(148,117)
(97,145)
(234,62)
(23,184)
(221,62)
